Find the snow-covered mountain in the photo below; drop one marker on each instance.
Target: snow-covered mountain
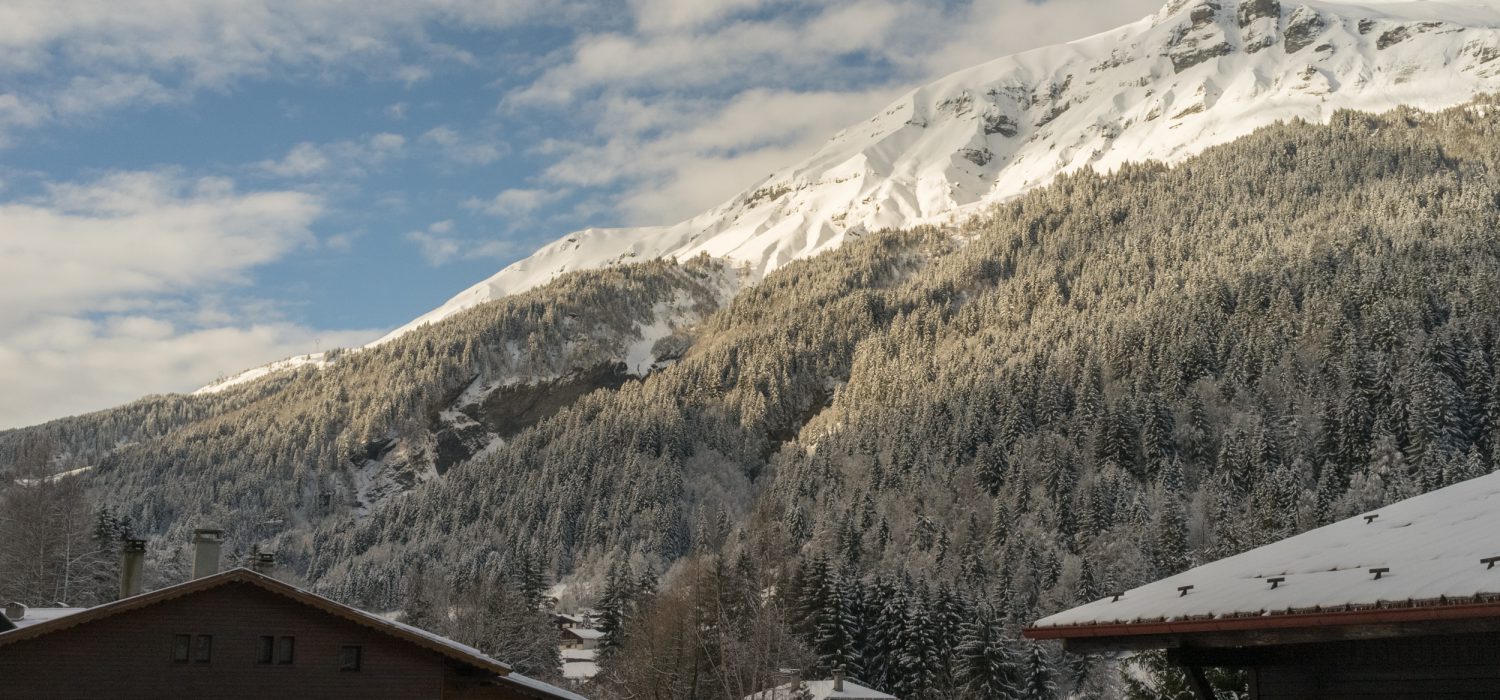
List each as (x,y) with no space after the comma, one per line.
(1196,74)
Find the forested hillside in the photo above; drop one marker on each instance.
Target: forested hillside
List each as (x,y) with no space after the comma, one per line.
(891,456)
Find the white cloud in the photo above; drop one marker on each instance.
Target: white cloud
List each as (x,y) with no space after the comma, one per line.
(307,159)
(131,234)
(463,148)
(517,203)
(439,246)
(103,286)
(63,365)
(133,52)
(675,159)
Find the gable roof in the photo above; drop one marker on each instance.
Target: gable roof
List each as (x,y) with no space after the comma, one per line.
(453,651)
(1435,549)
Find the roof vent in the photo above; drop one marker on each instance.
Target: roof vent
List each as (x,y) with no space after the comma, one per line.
(1276,581)
(1183,590)
(1379,570)
(1115,597)
(1490,561)
(15,611)
(1371,518)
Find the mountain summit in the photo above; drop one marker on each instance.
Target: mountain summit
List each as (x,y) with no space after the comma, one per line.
(1195,74)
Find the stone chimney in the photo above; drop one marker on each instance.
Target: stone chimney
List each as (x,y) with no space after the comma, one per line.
(206,545)
(263,563)
(838,680)
(15,611)
(132,567)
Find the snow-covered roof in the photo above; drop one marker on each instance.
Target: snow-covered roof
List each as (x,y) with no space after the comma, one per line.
(35,616)
(584,633)
(580,670)
(820,690)
(1434,550)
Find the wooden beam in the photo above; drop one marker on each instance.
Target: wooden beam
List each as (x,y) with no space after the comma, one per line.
(1270,637)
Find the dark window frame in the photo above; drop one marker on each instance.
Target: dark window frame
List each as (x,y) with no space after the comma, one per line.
(286,650)
(267,654)
(203,649)
(182,648)
(351,663)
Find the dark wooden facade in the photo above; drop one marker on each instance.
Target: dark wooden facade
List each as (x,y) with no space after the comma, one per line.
(1437,666)
(245,639)
(1447,651)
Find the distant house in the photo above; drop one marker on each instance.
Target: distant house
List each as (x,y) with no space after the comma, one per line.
(570,621)
(241,634)
(1403,601)
(580,638)
(836,688)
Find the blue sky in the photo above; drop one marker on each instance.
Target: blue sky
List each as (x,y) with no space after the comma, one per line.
(191,189)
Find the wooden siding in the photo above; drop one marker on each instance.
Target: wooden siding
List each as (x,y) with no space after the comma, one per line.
(1447,666)
(129,655)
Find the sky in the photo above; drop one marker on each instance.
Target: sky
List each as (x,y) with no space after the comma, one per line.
(190,189)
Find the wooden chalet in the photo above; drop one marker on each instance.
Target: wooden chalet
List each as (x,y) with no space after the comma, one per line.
(242,634)
(1400,602)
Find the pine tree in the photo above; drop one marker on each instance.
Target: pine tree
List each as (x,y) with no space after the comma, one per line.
(1037,675)
(986,663)
(614,609)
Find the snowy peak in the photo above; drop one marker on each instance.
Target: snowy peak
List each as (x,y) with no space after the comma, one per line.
(1196,74)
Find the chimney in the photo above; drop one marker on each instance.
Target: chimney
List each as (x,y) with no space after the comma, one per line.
(838,680)
(206,544)
(132,567)
(263,563)
(15,611)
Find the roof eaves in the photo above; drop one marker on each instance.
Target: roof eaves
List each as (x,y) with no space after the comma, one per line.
(1482,605)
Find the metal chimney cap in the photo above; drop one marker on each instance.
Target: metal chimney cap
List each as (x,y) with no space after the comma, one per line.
(133,545)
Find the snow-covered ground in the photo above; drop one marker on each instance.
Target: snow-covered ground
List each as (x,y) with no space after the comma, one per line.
(50,478)
(1163,88)
(1432,546)
(249,375)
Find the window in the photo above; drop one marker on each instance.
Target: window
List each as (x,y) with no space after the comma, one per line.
(285,649)
(349,658)
(181,645)
(204,649)
(267,650)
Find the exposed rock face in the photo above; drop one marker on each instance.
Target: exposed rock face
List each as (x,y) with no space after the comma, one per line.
(1303,28)
(1251,10)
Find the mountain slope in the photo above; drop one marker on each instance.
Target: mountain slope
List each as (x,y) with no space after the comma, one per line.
(1196,74)
(1089,387)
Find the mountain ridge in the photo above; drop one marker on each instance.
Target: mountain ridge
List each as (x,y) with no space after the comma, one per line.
(1195,74)
(953,146)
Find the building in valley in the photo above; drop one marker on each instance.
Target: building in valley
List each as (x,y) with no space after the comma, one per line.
(242,634)
(1403,601)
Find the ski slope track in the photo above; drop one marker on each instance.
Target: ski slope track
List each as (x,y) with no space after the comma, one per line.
(1198,73)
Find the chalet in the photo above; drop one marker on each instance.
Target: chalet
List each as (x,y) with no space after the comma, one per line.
(1403,601)
(242,634)
(580,638)
(570,621)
